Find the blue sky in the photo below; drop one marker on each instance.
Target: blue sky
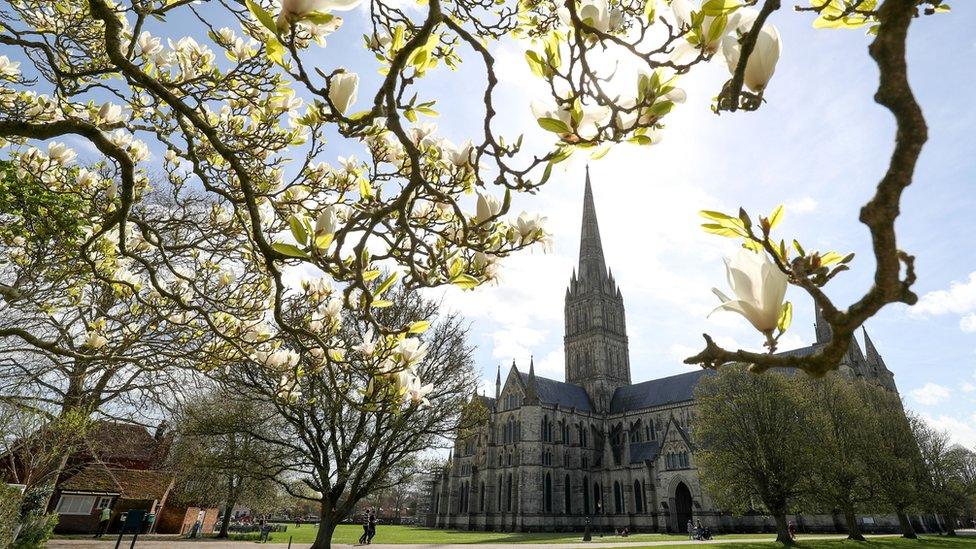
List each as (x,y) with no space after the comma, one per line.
(819,145)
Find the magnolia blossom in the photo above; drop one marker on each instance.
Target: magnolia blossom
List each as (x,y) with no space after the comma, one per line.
(368,346)
(326,222)
(759,287)
(9,69)
(257,333)
(60,153)
(149,45)
(95,340)
(277,360)
(529,226)
(682,10)
(295,10)
(343,87)
(422,135)
(595,13)
(288,389)
(458,156)
(110,113)
(762,61)
(592,117)
(411,349)
(488,206)
(417,393)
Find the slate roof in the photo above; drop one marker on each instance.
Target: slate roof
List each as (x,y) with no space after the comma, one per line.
(130,483)
(560,393)
(115,441)
(656,392)
(644,451)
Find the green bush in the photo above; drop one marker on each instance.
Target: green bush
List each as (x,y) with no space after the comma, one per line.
(9,513)
(37,525)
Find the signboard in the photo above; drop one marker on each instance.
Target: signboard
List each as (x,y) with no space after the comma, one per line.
(133,521)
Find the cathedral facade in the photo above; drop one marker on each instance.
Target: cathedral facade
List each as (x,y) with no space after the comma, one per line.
(553,455)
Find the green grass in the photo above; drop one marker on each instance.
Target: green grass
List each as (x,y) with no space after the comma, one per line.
(349,533)
(872,543)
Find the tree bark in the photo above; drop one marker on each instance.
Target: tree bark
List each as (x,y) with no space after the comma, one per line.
(225,522)
(853,529)
(950,524)
(782,530)
(327,526)
(907,530)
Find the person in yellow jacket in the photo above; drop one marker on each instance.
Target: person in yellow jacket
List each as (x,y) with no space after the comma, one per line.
(103,521)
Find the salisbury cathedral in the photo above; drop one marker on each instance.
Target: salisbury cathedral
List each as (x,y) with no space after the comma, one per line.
(595,447)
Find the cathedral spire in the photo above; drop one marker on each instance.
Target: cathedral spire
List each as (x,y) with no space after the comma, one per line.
(592,265)
(498,382)
(821,327)
(873,356)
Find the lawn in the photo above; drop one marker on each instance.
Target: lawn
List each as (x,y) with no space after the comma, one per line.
(872,543)
(349,533)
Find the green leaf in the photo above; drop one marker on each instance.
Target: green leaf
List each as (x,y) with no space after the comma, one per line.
(319,18)
(601,152)
(322,242)
(289,250)
(465,281)
(554,125)
(721,230)
(298,230)
(830,258)
(776,217)
(385,285)
(785,317)
(275,51)
(419,327)
(262,16)
(720,7)
(799,249)
(716,216)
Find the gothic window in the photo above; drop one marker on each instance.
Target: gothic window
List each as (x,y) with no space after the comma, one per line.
(509,458)
(567,496)
(618,498)
(639,498)
(508,492)
(566,460)
(598,498)
(547,490)
(586,496)
(584,462)
(649,429)
(564,428)
(501,488)
(481,495)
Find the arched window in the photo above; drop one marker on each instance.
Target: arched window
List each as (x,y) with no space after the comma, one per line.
(437,504)
(481,497)
(508,492)
(586,495)
(567,496)
(501,488)
(547,490)
(598,499)
(618,498)
(509,458)
(638,498)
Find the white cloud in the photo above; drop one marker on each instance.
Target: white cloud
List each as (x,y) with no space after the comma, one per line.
(805,204)
(930,394)
(961,432)
(968,323)
(960,298)
(967,387)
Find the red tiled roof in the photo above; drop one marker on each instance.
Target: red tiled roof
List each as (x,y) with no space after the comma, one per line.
(130,483)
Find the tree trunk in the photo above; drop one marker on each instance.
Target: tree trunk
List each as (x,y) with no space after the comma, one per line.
(950,523)
(225,522)
(782,530)
(907,530)
(327,526)
(853,529)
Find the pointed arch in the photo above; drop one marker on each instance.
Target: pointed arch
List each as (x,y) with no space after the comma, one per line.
(639,498)
(618,498)
(547,491)
(567,496)
(586,495)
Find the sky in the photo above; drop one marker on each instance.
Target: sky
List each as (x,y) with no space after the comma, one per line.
(819,145)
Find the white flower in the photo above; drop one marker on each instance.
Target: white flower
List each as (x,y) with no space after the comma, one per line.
(423,135)
(411,349)
(257,333)
(295,10)
(368,346)
(488,206)
(288,389)
(416,392)
(277,360)
(60,153)
(595,13)
(110,113)
(226,278)
(529,226)
(342,90)
(148,44)
(95,340)
(762,61)
(458,156)
(9,69)
(683,9)
(326,222)
(759,287)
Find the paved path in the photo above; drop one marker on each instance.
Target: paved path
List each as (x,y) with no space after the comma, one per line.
(204,544)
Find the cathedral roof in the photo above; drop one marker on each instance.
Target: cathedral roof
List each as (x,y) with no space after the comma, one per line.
(656,392)
(560,393)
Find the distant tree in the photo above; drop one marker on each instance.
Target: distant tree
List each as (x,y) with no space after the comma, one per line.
(894,457)
(366,405)
(752,440)
(944,481)
(842,447)
(222,454)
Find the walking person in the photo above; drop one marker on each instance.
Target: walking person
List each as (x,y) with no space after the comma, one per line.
(699,531)
(372,527)
(791,529)
(691,529)
(103,519)
(362,538)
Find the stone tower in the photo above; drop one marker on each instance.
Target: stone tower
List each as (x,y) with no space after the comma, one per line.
(596,332)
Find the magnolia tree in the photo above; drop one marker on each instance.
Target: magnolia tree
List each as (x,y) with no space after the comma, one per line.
(341,449)
(237,105)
